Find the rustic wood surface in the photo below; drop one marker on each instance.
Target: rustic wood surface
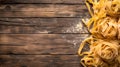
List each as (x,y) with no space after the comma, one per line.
(42,25)
(39,61)
(43,1)
(42,10)
(40,43)
(42,33)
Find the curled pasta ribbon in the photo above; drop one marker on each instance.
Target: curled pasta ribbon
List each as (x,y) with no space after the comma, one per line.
(93,61)
(118,28)
(104,41)
(108,51)
(105,17)
(105,28)
(104,7)
(103,53)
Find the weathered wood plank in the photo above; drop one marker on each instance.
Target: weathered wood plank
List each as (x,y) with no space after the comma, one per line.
(42,7)
(37,29)
(39,61)
(40,43)
(42,25)
(43,1)
(42,22)
(41,10)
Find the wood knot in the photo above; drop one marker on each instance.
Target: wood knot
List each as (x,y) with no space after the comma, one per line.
(8,7)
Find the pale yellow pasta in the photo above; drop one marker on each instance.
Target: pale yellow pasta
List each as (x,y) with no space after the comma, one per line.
(104,42)
(102,53)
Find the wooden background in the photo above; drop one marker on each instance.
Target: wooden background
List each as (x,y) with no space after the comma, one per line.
(41,33)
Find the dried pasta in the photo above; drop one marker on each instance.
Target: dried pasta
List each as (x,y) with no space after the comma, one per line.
(104,42)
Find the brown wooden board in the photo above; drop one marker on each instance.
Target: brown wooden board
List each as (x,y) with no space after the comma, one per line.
(42,22)
(40,43)
(41,33)
(44,1)
(36,30)
(42,25)
(39,61)
(42,10)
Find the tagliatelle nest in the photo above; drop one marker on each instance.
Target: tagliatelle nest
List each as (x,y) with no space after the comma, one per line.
(103,53)
(104,27)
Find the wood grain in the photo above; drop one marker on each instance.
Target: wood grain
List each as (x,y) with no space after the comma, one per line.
(37,29)
(42,25)
(42,10)
(40,43)
(39,61)
(43,1)
(41,33)
(42,7)
(43,22)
